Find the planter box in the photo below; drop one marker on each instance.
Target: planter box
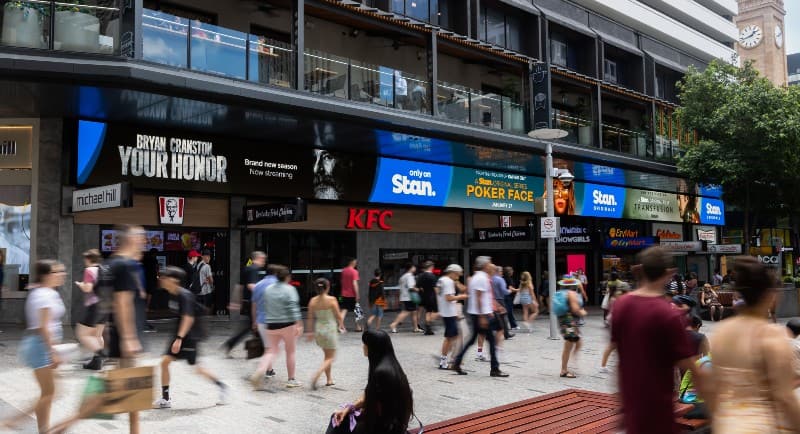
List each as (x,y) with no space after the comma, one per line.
(22,27)
(77,31)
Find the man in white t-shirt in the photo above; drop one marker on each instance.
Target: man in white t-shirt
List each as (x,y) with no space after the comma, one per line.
(448,308)
(408,285)
(480,306)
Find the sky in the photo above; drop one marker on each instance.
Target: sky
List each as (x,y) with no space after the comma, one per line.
(792,26)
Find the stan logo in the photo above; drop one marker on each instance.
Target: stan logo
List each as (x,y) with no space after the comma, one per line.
(170,210)
(603,199)
(412,185)
(713,209)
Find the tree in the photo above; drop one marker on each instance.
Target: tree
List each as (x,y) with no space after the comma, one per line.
(748,133)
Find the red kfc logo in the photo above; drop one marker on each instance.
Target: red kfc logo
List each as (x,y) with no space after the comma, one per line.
(170,210)
(360,218)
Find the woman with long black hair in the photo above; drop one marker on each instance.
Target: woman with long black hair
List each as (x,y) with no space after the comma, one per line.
(387,404)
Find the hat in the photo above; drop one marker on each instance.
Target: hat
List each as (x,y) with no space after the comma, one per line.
(567,282)
(681,300)
(193,254)
(453,268)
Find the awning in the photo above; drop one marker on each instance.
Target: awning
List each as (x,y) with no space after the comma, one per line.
(568,22)
(619,43)
(666,62)
(524,5)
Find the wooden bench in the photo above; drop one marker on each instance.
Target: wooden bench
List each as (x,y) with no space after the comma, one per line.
(570,411)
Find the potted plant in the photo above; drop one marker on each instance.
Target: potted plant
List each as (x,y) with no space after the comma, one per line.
(584,122)
(23,24)
(77,28)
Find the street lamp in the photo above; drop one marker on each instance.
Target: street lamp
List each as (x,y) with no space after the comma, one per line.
(566,178)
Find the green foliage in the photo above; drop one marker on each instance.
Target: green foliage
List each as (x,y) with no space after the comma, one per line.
(39,7)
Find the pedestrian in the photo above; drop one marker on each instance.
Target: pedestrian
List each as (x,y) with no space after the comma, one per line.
(513,288)
(710,300)
(500,293)
(151,268)
(717,280)
(676,286)
(184,344)
(527,298)
(377,299)
(729,277)
(448,300)
(206,277)
(480,307)
(567,307)
(691,283)
(125,281)
(192,281)
(349,294)
(259,307)
(250,276)
(426,282)
(651,339)
(387,404)
(753,362)
(324,321)
(544,293)
(284,325)
(44,309)
(698,340)
(408,287)
(89,329)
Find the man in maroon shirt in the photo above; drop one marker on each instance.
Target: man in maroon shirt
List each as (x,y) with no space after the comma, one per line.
(651,339)
(349,290)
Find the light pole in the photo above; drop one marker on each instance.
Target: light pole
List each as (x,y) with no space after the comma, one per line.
(566,178)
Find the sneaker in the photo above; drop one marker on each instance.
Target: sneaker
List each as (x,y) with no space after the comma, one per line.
(458,370)
(481,358)
(270,373)
(394,330)
(604,370)
(162,403)
(498,373)
(293,383)
(95,364)
(417,330)
(515,328)
(429,332)
(223,395)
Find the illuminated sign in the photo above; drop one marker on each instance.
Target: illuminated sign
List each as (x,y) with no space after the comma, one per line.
(362,218)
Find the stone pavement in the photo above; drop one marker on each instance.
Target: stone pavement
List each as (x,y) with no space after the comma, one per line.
(532,359)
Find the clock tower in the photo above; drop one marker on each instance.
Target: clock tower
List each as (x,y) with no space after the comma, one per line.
(761,37)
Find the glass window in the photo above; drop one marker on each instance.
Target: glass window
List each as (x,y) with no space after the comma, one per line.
(495,27)
(15,235)
(513,33)
(417,9)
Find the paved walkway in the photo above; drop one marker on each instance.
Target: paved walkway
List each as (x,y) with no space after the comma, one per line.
(531,358)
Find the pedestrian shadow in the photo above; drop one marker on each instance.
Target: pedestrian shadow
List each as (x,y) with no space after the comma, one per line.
(171,413)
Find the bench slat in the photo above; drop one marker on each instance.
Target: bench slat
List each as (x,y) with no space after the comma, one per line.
(532,416)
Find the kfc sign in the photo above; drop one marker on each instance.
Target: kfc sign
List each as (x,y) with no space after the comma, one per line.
(170,210)
(361,218)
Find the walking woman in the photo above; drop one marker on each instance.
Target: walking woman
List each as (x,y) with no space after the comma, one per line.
(90,328)
(710,299)
(284,325)
(325,321)
(43,311)
(750,385)
(527,298)
(387,403)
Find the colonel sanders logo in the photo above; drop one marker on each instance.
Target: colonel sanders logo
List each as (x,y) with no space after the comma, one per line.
(170,210)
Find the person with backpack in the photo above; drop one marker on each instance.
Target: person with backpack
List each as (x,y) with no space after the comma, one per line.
(377,299)
(90,328)
(205,278)
(184,344)
(192,279)
(566,304)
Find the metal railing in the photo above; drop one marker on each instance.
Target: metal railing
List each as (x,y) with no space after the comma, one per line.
(627,141)
(580,131)
(460,103)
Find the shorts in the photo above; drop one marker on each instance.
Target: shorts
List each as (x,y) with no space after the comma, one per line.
(430,304)
(33,353)
(377,311)
(188,351)
(568,326)
(348,303)
(90,316)
(409,306)
(450,326)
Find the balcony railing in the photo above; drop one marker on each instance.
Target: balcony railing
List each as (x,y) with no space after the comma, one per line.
(463,104)
(580,131)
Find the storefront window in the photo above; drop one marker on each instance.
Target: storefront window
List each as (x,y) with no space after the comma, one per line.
(15,234)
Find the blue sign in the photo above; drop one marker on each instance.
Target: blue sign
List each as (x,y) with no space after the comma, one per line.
(603,201)
(601,173)
(637,243)
(712,211)
(90,142)
(411,183)
(403,145)
(710,190)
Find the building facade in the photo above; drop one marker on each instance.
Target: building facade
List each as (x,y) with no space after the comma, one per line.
(793,64)
(761,37)
(318,130)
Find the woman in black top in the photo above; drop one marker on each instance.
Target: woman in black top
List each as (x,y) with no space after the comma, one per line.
(387,404)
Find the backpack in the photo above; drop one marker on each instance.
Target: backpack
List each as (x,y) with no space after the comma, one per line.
(560,303)
(195,285)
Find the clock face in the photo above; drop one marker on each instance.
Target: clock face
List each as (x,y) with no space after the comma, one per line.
(778,36)
(750,36)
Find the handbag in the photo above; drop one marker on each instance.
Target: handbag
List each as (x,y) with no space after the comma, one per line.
(358,312)
(254,347)
(516,298)
(606,299)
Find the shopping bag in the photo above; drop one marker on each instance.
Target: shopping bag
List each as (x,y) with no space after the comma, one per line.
(127,390)
(92,392)
(254,347)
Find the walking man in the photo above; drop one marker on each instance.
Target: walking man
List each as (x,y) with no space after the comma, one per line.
(513,288)
(651,340)
(480,308)
(448,301)
(408,285)
(183,346)
(501,292)
(250,276)
(258,309)
(567,307)
(350,291)
(206,275)
(426,282)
